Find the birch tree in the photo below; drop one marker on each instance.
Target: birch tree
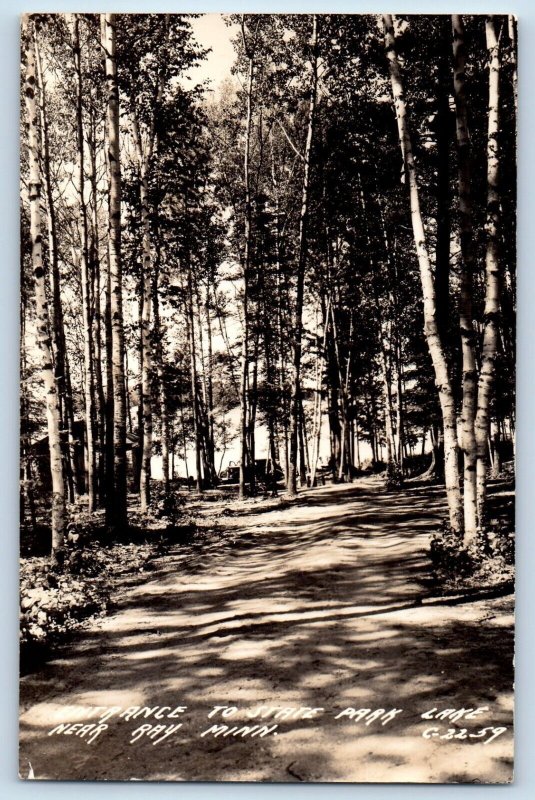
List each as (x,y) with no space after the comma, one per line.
(434,344)
(492,272)
(57,326)
(85,278)
(468,336)
(42,312)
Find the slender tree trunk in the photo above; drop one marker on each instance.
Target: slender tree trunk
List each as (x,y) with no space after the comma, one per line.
(144,153)
(468,336)
(304,461)
(388,410)
(231,359)
(251,420)
(193,377)
(316,436)
(246,268)
(492,274)
(381,275)
(210,388)
(146,344)
(139,390)
(85,279)
(41,307)
(343,466)
(280,321)
(512,30)
(100,402)
(109,415)
(25,437)
(184,441)
(164,405)
(165,436)
(206,429)
(436,350)
(399,407)
(333,400)
(116,509)
(443,131)
(57,331)
(301,265)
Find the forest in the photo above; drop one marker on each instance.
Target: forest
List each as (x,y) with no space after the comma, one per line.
(244,292)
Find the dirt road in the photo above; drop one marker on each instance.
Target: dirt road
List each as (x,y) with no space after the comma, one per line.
(317,606)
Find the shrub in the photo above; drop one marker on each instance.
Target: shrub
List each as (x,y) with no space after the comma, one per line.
(449,556)
(487,560)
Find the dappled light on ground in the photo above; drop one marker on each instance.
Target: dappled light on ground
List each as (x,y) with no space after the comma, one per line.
(318,605)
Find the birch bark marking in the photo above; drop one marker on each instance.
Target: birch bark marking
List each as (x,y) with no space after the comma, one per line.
(434,344)
(57,327)
(117,502)
(89,383)
(301,264)
(468,337)
(42,315)
(492,273)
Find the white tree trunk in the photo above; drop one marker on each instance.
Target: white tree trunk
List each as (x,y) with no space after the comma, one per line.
(436,350)
(468,336)
(41,306)
(492,274)
(89,383)
(244,378)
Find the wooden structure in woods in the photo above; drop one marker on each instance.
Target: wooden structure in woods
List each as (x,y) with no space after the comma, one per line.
(39,458)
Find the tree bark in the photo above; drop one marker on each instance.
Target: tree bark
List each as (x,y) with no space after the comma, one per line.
(318,400)
(280,320)
(246,267)
(145,320)
(42,313)
(443,133)
(210,387)
(436,350)
(160,351)
(301,266)
(116,508)
(100,403)
(468,335)
(57,330)
(85,279)
(492,274)
(193,379)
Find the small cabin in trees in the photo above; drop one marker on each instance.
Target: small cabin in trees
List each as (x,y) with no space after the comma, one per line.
(38,455)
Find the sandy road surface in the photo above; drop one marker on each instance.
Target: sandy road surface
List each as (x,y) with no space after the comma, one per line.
(318,606)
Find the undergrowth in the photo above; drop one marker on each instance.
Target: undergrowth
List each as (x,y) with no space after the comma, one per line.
(487,561)
(55,601)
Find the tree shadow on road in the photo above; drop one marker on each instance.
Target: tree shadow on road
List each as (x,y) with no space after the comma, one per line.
(318,609)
